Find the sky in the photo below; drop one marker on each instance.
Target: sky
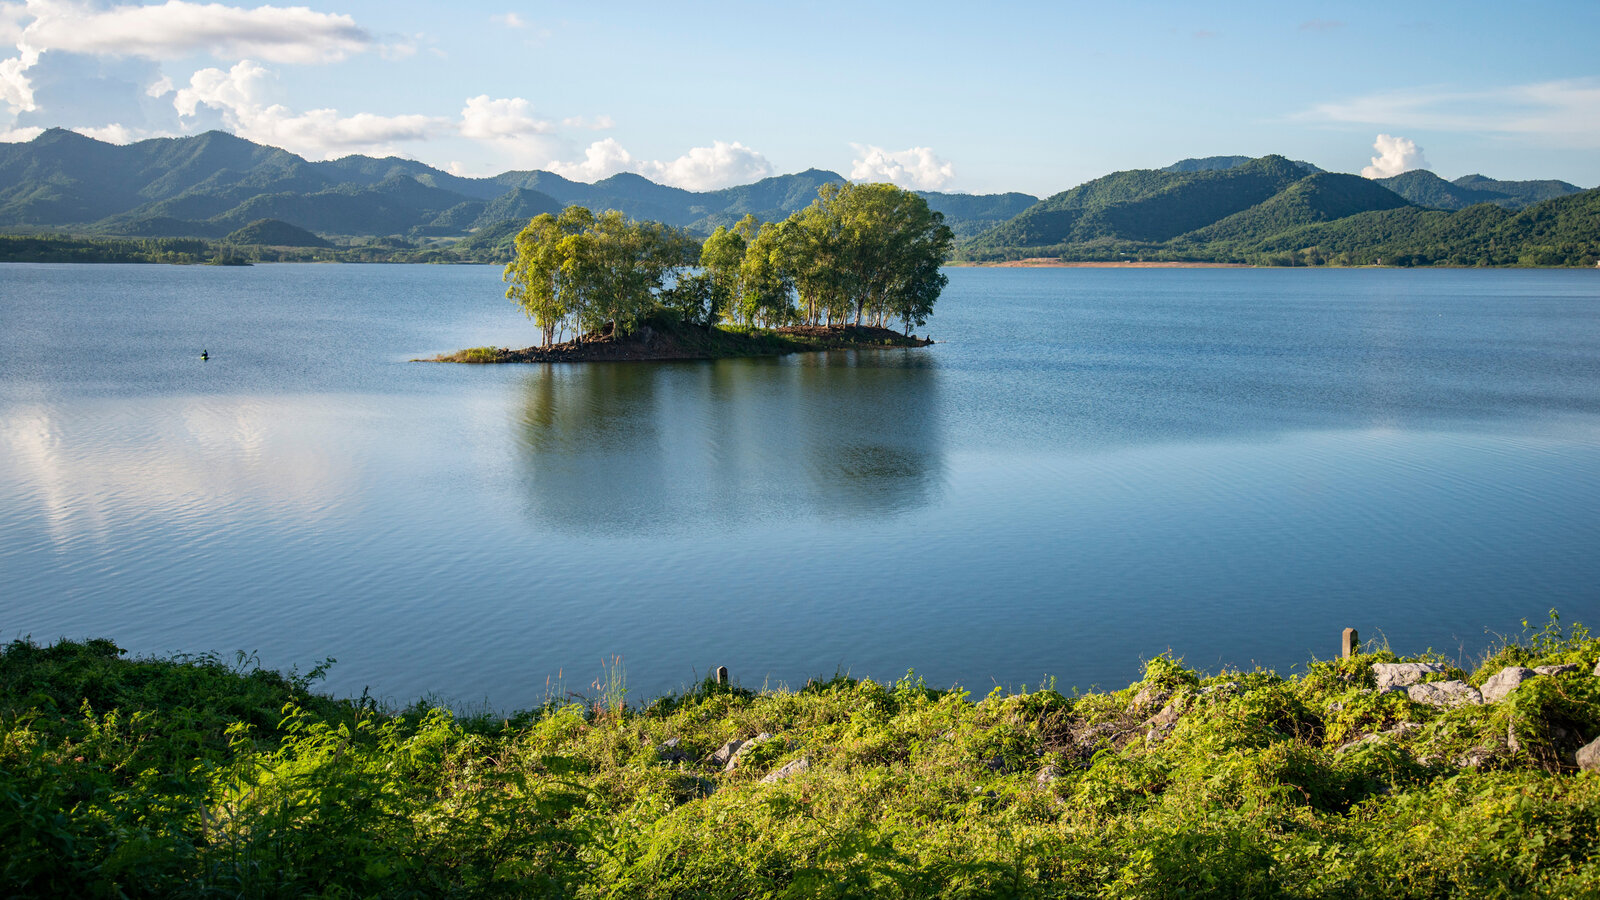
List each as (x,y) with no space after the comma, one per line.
(963,97)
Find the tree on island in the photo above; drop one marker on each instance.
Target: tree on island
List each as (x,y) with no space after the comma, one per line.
(862,253)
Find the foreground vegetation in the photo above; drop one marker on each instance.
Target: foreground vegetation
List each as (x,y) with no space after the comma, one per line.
(189,776)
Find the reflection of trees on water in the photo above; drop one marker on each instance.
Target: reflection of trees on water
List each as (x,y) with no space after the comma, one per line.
(631,446)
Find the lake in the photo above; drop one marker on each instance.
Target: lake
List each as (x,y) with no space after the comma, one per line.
(1090,468)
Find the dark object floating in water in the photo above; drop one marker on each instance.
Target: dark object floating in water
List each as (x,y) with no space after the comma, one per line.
(205,354)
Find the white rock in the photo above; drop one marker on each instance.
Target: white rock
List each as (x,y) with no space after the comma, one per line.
(1397,676)
(1589,756)
(1597,668)
(743,748)
(795,767)
(722,755)
(1504,682)
(1444,693)
(1560,669)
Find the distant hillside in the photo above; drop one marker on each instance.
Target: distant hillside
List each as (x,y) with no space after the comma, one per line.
(1142,205)
(1529,191)
(213,184)
(1267,211)
(1217,163)
(1315,198)
(1427,189)
(273,233)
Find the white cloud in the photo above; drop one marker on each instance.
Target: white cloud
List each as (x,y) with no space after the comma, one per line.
(117,134)
(917,167)
(240,94)
(178,28)
(1561,113)
(598,123)
(509,20)
(15,87)
(16,135)
(708,168)
(701,169)
(170,30)
(505,119)
(601,160)
(1395,155)
(160,87)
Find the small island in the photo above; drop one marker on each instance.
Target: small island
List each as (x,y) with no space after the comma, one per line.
(665,339)
(834,275)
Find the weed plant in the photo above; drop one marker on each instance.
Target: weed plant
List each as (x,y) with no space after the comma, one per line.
(196,777)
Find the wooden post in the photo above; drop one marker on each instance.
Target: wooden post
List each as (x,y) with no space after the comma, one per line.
(1352,643)
(722,674)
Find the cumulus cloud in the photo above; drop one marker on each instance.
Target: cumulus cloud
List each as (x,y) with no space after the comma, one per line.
(602,159)
(701,169)
(1562,113)
(16,135)
(172,30)
(509,20)
(1395,155)
(505,119)
(178,28)
(708,168)
(240,94)
(16,89)
(117,134)
(916,168)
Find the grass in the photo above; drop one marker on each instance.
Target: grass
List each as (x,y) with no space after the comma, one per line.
(200,776)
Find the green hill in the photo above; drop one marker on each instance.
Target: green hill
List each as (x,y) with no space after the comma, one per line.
(1425,189)
(211,184)
(273,233)
(1142,205)
(1215,163)
(1527,191)
(1315,198)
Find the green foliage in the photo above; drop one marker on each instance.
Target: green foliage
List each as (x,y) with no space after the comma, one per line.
(192,777)
(1269,212)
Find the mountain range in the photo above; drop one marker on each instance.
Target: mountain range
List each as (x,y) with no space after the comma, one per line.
(216,187)
(213,184)
(1275,211)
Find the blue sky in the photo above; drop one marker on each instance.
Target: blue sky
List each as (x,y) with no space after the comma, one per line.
(947,96)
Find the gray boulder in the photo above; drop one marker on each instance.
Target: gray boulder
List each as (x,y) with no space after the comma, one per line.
(1589,756)
(793,768)
(1398,676)
(1445,693)
(1561,669)
(1504,682)
(1150,697)
(743,748)
(1597,668)
(724,754)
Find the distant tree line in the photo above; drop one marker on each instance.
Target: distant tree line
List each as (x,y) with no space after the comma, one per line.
(867,254)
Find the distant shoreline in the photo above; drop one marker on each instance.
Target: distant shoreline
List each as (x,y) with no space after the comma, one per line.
(1046,262)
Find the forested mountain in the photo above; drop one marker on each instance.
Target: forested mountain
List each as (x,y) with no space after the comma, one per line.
(1530,191)
(1315,198)
(1215,163)
(1268,211)
(1142,205)
(215,184)
(1427,189)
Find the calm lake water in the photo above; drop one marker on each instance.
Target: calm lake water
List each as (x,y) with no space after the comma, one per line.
(1091,467)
